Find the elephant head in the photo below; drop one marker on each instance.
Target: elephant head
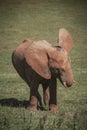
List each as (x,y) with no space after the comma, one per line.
(48,60)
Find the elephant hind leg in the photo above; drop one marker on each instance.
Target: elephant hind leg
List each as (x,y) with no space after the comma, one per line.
(39,101)
(33,106)
(46,95)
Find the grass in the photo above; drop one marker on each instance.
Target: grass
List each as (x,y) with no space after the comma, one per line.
(41,20)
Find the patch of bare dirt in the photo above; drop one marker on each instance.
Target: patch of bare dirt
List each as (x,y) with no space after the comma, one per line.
(4,48)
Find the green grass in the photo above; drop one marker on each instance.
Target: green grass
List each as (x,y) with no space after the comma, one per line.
(21,19)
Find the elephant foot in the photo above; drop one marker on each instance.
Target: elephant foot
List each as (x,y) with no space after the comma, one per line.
(53,108)
(32,108)
(33,104)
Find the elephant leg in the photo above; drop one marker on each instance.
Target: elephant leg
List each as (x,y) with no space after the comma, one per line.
(33,98)
(39,101)
(46,95)
(53,94)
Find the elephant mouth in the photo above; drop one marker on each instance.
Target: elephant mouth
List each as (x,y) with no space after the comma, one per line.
(65,84)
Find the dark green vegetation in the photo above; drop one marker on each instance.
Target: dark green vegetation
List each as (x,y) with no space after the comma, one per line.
(41,19)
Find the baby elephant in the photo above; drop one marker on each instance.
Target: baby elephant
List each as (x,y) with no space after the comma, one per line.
(38,62)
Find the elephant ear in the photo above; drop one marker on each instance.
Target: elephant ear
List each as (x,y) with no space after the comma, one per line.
(65,40)
(37,58)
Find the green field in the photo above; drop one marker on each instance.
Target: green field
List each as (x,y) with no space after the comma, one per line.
(41,19)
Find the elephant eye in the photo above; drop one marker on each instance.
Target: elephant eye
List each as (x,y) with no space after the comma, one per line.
(61,71)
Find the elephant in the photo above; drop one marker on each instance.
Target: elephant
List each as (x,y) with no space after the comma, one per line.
(39,62)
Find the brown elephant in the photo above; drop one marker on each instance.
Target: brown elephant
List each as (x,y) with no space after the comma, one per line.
(38,62)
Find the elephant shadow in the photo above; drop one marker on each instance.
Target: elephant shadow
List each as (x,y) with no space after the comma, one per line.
(13,102)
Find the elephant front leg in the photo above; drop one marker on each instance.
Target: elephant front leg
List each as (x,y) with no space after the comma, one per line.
(33,98)
(53,95)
